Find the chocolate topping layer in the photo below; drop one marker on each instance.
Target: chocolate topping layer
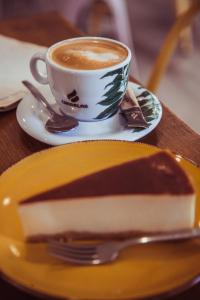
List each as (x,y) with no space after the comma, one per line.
(155,174)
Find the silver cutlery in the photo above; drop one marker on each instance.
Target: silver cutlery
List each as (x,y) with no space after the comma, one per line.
(108,251)
(58,122)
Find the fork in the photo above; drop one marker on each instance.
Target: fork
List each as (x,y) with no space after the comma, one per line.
(104,252)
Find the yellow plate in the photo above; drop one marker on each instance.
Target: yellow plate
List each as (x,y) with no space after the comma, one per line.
(140,271)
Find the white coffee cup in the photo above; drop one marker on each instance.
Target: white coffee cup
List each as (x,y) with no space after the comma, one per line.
(81,93)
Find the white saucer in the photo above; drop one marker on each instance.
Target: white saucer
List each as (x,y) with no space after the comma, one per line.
(31,117)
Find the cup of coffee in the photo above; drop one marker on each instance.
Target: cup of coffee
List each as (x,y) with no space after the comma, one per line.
(88,76)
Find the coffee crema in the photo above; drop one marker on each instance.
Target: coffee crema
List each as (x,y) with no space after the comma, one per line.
(88,54)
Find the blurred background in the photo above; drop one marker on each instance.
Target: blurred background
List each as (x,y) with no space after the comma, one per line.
(143,25)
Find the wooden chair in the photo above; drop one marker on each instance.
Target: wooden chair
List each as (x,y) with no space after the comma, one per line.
(185,38)
(182,22)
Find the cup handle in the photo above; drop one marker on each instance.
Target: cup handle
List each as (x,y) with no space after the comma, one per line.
(41,78)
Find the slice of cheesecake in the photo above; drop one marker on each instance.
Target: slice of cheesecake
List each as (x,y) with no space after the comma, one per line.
(151,194)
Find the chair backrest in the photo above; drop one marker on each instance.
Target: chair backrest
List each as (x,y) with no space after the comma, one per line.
(169,45)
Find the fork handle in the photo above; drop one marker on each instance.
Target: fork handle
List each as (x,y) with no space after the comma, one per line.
(161,237)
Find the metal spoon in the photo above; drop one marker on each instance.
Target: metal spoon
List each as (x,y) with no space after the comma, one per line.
(57,122)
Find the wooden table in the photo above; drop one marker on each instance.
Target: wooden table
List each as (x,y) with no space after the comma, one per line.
(171,133)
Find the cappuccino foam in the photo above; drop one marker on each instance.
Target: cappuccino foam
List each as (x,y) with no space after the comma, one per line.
(88,54)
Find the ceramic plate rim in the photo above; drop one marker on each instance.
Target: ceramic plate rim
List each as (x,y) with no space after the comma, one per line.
(173,292)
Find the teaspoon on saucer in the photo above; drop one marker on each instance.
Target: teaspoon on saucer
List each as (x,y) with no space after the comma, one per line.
(57,122)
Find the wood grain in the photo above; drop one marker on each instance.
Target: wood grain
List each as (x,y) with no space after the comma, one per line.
(42,29)
(172,133)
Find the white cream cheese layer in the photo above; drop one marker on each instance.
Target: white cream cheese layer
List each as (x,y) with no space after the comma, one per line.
(110,214)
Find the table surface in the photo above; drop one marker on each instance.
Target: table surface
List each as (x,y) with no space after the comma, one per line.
(171,133)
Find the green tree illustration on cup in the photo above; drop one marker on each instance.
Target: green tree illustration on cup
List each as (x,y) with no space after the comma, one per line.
(150,107)
(115,91)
